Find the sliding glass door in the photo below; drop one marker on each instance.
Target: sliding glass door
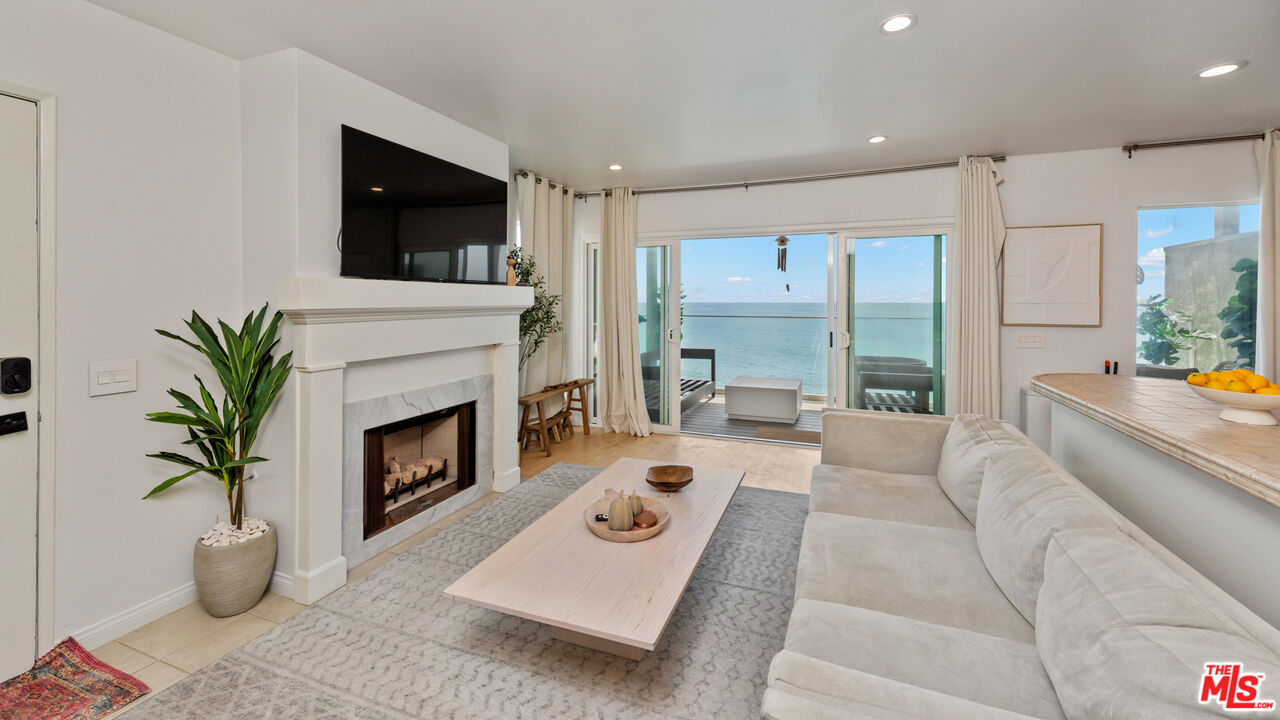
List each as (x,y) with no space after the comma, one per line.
(890,318)
(659,318)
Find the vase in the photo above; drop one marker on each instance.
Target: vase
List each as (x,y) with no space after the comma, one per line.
(233,578)
(511,272)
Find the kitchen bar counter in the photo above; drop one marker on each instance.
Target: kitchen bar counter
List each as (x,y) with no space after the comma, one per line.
(1167,416)
(1206,488)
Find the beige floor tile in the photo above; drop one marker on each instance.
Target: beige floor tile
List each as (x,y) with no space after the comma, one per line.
(214,645)
(158,676)
(277,608)
(360,571)
(162,637)
(122,657)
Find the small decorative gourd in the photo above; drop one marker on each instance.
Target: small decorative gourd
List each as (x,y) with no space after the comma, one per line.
(637,507)
(620,516)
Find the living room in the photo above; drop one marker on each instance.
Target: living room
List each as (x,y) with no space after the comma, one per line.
(905,237)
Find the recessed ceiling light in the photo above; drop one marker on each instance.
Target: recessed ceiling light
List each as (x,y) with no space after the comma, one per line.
(615,167)
(876,139)
(376,189)
(897,23)
(1221,69)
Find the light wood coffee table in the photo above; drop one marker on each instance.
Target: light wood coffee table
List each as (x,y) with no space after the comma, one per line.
(614,597)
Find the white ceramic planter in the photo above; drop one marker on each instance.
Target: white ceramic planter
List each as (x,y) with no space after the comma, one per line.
(233,578)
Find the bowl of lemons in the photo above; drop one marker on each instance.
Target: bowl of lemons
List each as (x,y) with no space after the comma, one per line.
(1249,397)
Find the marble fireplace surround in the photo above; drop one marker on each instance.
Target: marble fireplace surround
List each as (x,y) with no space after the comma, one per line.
(363,415)
(336,322)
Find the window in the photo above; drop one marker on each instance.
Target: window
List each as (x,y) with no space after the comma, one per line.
(1197,287)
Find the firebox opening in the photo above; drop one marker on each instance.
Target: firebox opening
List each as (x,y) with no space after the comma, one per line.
(414,464)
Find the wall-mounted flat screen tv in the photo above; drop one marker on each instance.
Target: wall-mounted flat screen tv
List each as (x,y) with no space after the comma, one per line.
(407,215)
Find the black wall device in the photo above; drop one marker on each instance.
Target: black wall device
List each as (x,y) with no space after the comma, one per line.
(15,422)
(15,375)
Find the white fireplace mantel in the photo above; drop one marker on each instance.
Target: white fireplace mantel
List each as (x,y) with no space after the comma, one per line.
(337,321)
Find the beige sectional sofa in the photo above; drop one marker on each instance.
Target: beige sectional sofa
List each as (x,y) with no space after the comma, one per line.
(950,569)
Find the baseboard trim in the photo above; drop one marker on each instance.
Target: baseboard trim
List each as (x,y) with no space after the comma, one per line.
(104,631)
(310,586)
(281,584)
(506,479)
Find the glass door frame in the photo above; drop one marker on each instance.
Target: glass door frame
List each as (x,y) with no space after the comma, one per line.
(841,340)
(672,305)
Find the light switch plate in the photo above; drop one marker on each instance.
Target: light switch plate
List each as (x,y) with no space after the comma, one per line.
(108,377)
(1030,340)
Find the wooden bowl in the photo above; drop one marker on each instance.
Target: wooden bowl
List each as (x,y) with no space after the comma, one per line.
(669,478)
(601,528)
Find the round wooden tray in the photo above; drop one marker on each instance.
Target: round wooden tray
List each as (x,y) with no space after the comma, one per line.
(601,528)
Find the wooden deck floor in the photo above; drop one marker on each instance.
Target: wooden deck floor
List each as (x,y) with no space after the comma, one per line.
(709,418)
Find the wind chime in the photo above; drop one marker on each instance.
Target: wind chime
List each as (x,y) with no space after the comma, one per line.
(782,241)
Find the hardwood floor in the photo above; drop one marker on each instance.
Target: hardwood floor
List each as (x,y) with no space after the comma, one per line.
(770,466)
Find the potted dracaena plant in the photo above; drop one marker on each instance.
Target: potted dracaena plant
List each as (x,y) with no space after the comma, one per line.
(233,562)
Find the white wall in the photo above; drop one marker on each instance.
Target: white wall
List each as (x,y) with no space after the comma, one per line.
(148,228)
(295,105)
(1077,187)
(1108,187)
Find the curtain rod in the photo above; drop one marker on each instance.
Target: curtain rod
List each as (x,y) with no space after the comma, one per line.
(1194,141)
(746,184)
(537,180)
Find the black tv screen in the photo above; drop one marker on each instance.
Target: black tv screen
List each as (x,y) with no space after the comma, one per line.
(407,215)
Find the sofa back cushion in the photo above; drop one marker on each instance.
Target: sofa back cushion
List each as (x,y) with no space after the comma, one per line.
(970,441)
(1122,636)
(1025,499)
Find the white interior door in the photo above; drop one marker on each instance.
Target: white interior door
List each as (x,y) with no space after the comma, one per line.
(19,338)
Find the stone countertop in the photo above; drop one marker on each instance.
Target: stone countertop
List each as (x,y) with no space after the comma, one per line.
(1168,416)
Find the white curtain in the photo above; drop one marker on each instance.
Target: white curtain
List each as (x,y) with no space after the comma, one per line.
(546,232)
(622,407)
(973,294)
(1267,342)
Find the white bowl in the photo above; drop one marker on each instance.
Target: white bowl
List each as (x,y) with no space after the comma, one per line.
(1245,408)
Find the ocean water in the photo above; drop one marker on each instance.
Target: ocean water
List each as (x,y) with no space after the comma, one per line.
(763,339)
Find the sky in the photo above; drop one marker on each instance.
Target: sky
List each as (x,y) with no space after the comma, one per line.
(745,269)
(1159,228)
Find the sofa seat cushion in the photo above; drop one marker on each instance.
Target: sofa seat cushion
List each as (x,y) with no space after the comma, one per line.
(915,499)
(970,441)
(1122,636)
(1025,499)
(983,669)
(927,573)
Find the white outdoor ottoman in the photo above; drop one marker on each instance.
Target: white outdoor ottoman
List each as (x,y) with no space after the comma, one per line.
(764,399)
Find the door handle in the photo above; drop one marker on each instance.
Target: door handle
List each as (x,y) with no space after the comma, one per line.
(15,375)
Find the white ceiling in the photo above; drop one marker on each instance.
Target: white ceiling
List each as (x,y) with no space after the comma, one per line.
(725,90)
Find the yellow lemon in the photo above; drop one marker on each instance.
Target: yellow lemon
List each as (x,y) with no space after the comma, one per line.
(1267,391)
(1238,386)
(1213,375)
(1197,379)
(1243,371)
(1256,382)
(1216,385)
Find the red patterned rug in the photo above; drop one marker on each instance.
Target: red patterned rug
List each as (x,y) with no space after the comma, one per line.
(66,684)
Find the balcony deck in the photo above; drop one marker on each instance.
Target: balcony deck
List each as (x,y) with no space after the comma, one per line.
(709,418)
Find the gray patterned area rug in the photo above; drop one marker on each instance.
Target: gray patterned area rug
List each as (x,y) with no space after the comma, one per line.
(392,646)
